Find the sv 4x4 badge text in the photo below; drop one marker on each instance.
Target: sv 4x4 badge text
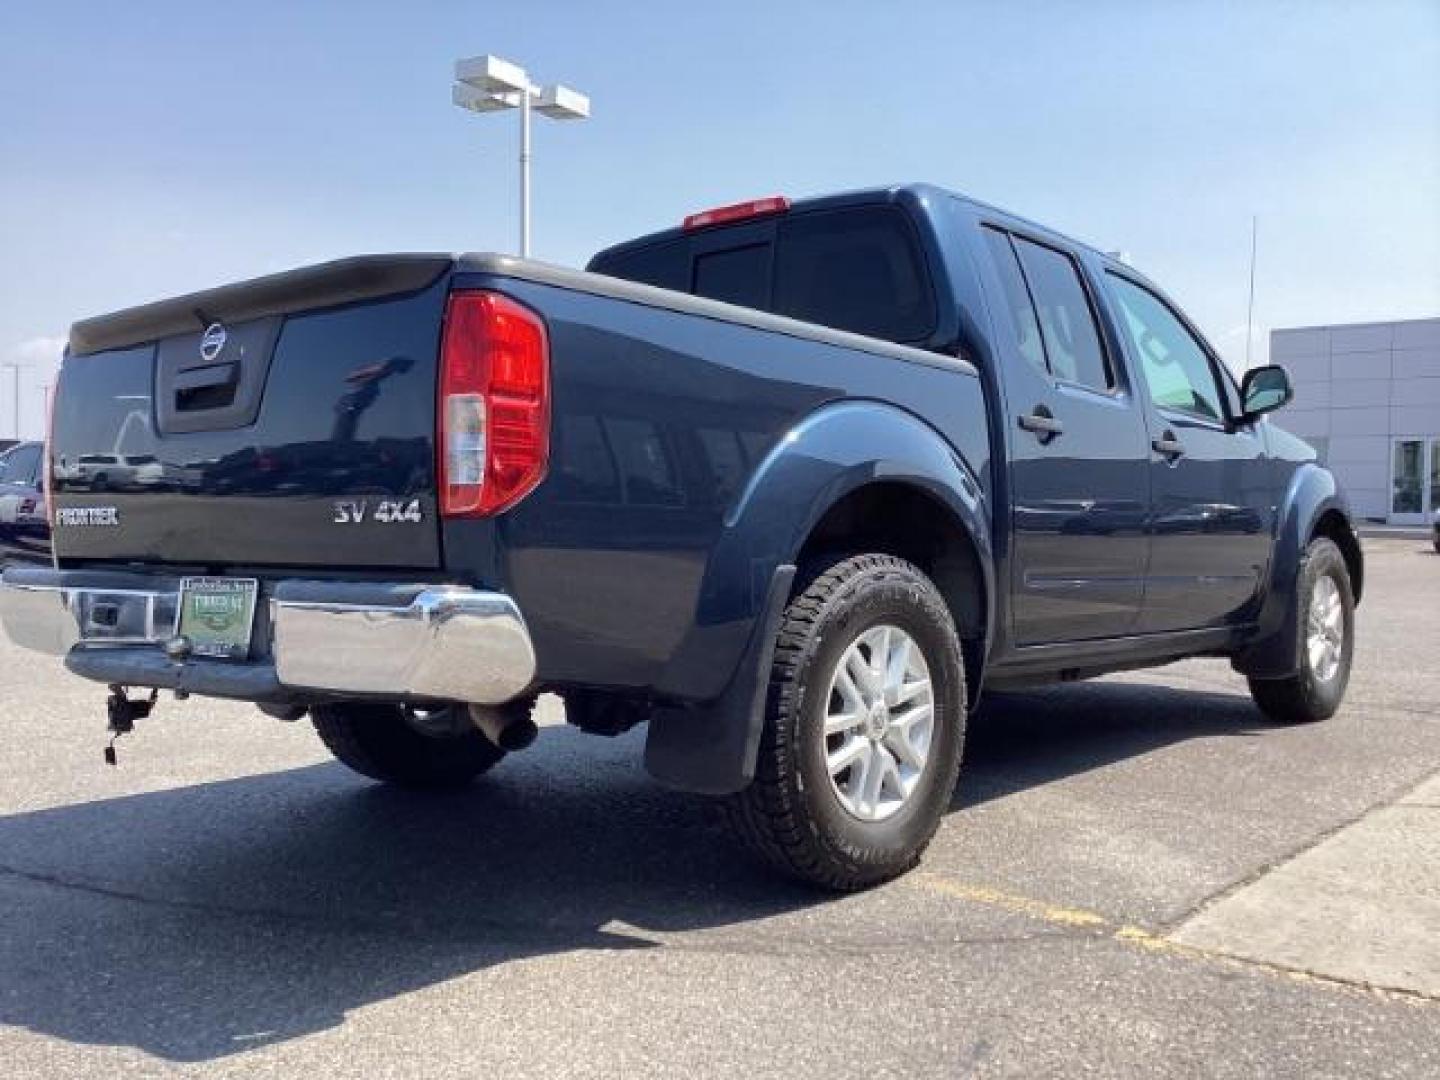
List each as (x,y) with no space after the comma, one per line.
(387,511)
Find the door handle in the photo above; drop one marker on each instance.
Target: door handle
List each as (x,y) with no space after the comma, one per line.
(1042,423)
(1168,446)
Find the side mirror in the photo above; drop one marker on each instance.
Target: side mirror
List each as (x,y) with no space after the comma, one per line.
(1264,390)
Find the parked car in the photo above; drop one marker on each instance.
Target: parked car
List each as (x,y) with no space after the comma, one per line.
(24,530)
(794,484)
(103,472)
(1435,530)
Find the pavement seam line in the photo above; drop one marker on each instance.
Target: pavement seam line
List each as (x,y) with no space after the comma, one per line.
(1147,940)
(1392,799)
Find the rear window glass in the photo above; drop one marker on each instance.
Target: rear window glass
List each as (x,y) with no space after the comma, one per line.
(858,269)
(736,275)
(664,265)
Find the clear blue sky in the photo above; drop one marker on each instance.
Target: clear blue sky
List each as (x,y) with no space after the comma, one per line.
(148,148)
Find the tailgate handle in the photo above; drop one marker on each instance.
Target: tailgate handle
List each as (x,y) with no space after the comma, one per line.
(202,378)
(220,391)
(208,387)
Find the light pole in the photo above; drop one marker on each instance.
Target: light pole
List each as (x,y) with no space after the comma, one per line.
(16,402)
(488,84)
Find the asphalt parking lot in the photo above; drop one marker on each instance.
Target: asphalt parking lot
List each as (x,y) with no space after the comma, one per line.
(1140,876)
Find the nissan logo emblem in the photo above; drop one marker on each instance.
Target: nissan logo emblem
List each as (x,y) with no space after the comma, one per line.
(212,341)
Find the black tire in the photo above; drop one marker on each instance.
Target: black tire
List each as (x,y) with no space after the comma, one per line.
(377,741)
(1305,698)
(790,814)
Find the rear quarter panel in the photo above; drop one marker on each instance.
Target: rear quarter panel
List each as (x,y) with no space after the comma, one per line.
(661,420)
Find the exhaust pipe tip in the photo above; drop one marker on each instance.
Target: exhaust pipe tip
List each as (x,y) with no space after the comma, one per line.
(507,726)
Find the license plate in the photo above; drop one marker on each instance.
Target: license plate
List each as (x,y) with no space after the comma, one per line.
(216,614)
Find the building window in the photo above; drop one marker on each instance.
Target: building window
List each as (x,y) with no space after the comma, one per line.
(1407,494)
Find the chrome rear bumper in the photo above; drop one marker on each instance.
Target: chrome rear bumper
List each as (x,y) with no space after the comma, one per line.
(394,640)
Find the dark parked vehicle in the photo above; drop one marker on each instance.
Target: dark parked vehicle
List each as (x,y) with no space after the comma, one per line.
(24,530)
(794,484)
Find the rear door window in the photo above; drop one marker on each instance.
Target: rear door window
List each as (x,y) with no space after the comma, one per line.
(1017,299)
(1067,321)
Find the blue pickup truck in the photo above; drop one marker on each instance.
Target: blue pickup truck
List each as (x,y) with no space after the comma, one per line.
(792,484)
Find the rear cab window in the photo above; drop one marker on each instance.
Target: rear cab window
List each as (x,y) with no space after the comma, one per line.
(858,268)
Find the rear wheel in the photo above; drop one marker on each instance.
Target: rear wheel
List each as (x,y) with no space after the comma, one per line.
(1327,642)
(863,730)
(438,749)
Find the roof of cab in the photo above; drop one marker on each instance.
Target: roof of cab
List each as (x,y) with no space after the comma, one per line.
(920,193)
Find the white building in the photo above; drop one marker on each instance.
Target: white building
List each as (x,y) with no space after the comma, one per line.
(1367,397)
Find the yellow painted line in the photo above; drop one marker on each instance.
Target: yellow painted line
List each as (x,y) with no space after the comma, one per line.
(1020,905)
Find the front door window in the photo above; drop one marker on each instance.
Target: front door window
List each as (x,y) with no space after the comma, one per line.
(1177,371)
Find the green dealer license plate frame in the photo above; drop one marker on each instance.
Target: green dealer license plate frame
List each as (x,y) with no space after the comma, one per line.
(217,615)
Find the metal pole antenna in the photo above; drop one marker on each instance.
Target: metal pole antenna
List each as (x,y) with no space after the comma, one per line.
(1250,310)
(525,173)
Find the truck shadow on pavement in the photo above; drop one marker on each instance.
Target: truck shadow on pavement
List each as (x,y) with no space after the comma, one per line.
(208,920)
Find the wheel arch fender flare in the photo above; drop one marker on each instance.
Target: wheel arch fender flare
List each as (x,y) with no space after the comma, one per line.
(820,460)
(826,456)
(1312,503)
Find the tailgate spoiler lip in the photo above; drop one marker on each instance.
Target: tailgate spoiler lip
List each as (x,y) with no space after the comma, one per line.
(308,288)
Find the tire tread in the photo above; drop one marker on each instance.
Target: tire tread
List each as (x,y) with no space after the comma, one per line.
(375,741)
(767,816)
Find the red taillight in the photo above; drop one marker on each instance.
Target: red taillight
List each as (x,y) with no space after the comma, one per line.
(722,215)
(493,414)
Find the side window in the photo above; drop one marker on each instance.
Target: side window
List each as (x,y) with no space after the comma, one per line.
(1067,323)
(1017,298)
(1176,368)
(20,464)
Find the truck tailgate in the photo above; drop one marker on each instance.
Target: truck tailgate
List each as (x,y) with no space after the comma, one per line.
(285,421)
